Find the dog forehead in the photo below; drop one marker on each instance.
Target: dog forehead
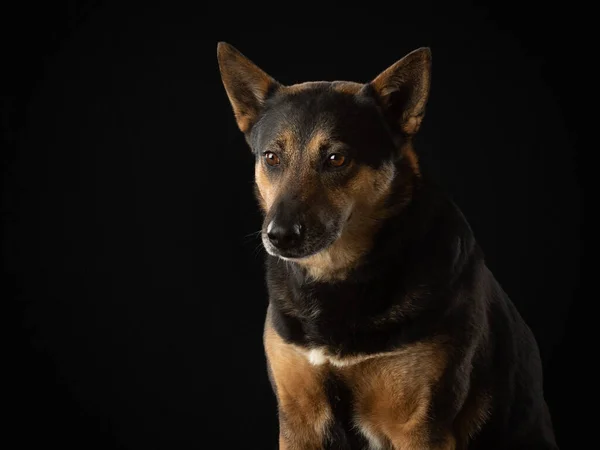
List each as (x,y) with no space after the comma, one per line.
(299,114)
(303,119)
(315,97)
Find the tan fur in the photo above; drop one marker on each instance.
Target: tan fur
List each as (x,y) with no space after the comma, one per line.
(305,175)
(300,176)
(320,136)
(412,72)
(347,87)
(267,191)
(296,88)
(367,190)
(304,410)
(364,198)
(245,83)
(392,393)
(410,155)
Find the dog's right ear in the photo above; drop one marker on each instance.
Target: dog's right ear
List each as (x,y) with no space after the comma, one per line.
(247,86)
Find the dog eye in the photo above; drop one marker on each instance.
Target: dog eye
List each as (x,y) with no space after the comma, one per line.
(271,158)
(336,160)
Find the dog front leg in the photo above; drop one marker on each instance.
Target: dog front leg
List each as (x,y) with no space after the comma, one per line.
(304,411)
(420,439)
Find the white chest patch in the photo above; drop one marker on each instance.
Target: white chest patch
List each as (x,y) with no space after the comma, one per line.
(316,357)
(319,356)
(374,441)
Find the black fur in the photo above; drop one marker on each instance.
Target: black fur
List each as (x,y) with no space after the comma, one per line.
(354,119)
(342,434)
(356,128)
(424,276)
(427,249)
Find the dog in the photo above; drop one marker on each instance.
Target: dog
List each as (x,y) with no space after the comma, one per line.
(385,329)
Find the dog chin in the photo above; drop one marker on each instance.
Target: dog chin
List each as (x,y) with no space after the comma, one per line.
(273,251)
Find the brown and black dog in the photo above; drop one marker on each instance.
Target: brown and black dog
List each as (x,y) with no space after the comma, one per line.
(385,329)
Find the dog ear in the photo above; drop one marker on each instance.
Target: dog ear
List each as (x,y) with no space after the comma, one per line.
(403,90)
(247,86)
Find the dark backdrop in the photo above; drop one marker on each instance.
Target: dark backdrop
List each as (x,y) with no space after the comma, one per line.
(134,294)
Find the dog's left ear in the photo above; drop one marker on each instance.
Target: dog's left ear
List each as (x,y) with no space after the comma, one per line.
(403,90)
(247,86)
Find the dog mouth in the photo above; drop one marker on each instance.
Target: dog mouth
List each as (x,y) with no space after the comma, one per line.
(309,247)
(296,253)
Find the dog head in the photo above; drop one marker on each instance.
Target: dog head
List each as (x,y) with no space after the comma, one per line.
(327,153)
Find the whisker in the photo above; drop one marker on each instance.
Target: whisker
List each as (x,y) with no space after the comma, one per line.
(253,234)
(257,250)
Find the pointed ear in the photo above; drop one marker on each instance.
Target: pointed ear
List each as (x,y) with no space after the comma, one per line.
(247,86)
(403,90)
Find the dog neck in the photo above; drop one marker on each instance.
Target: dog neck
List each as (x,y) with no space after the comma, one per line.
(418,254)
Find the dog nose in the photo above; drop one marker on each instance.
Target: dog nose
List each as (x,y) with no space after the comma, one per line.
(284,236)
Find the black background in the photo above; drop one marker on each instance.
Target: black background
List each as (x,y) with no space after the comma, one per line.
(134,292)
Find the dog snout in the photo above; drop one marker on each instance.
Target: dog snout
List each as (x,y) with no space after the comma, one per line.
(285,234)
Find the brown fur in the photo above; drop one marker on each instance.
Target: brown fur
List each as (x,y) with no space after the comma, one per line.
(409,154)
(392,394)
(296,88)
(365,195)
(302,176)
(414,67)
(405,392)
(300,392)
(245,83)
(347,87)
